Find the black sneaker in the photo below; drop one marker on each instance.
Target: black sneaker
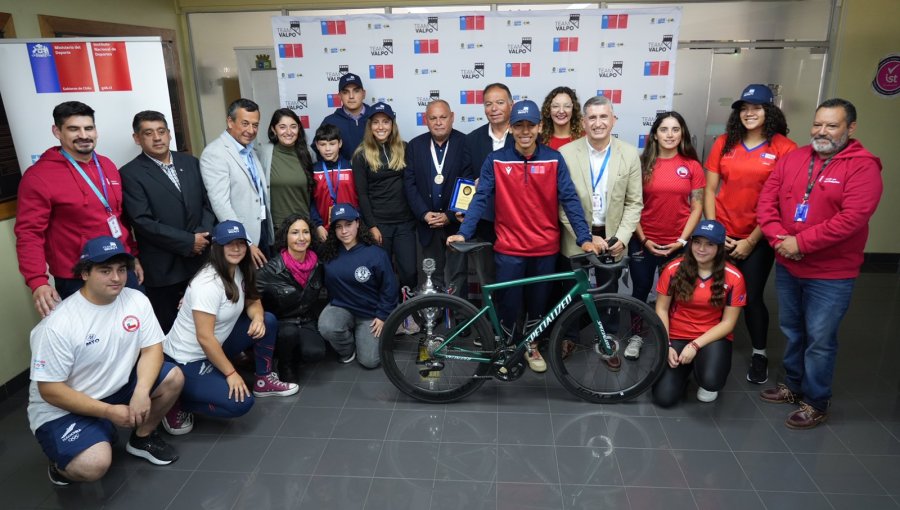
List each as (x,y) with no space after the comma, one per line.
(152,448)
(759,369)
(56,478)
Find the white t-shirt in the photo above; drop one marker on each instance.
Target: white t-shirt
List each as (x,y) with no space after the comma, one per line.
(206,293)
(92,348)
(598,195)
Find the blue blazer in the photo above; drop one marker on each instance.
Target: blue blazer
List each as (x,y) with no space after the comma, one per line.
(419,179)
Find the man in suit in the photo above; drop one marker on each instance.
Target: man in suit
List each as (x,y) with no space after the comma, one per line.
(166,203)
(495,135)
(607,176)
(434,162)
(235,181)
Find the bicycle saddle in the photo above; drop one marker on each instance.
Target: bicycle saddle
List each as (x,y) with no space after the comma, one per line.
(466,247)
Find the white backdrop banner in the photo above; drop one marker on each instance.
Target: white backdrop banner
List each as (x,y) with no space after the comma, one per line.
(117,77)
(408,60)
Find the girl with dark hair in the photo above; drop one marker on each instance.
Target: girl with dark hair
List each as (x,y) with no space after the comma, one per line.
(739,163)
(700,299)
(287,163)
(361,286)
(378,166)
(673,183)
(220,317)
(560,118)
(290,284)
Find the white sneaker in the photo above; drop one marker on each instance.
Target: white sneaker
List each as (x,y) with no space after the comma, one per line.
(704,395)
(633,350)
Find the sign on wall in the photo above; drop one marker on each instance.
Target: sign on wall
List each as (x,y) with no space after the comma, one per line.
(117,77)
(408,60)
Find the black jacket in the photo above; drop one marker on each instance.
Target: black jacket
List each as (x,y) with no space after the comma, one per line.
(283,296)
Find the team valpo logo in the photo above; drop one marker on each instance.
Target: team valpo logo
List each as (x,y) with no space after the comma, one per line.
(386,48)
(475,73)
(430,26)
(432,95)
(612,72)
(661,47)
(573,23)
(301,103)
(342,70)
(292,31)
(648,121)
(525,47)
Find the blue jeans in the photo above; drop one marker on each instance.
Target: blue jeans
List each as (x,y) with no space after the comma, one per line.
(810,312)
(509,301)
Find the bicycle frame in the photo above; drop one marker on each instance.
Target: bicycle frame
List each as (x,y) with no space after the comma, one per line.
(580,289)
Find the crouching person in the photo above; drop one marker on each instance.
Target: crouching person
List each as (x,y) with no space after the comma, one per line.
(97,363)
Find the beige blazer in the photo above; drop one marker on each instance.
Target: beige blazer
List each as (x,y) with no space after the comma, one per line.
(624,193)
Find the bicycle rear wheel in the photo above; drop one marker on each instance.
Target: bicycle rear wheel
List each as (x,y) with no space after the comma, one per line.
(410,361)
(574,349)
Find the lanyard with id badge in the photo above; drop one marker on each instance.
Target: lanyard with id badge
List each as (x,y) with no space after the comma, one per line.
(800,213)
(597,195)
(114,228)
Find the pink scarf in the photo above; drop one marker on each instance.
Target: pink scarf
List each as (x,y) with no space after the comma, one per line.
(300,270)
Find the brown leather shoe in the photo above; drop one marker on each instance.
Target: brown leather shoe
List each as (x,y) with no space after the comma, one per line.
(806,417)
(780,394)
(614,364)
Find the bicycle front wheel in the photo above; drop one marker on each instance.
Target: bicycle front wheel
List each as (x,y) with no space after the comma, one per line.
(414,355)
(575,349)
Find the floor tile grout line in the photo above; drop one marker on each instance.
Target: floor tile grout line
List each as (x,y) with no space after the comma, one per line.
(738,461)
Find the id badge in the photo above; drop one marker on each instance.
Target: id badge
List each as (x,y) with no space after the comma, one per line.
(114,229)
(597,201)
(800,212)
(262,212)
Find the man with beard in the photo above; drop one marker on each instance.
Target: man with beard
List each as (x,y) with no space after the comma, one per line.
(814,210)
(70,195)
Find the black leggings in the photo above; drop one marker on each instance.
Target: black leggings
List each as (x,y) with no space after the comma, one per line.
(710,367)
(298,342)
(756,268)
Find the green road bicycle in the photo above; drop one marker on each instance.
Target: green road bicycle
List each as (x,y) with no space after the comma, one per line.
(458,346)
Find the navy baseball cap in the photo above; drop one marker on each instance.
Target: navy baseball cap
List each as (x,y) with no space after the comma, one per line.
(228,231)
(381,107)
(349,79)
(525,110)
(343,212)
(103,248)
(712,230)
(755,93)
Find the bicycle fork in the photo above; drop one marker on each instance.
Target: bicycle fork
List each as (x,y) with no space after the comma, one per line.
(604,345)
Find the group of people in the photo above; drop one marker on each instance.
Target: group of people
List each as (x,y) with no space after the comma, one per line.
(277,252)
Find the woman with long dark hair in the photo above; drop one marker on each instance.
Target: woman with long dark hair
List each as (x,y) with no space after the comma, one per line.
(673,183)
(378,166)
(700,299)
(220,317)
(560,118)
(288,164)
(739,163)
(290,284)
(362,289)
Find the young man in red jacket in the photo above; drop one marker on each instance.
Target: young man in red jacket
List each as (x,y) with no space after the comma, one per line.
(814,210)
(70,195)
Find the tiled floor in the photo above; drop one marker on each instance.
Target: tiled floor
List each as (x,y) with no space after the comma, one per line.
(349,441)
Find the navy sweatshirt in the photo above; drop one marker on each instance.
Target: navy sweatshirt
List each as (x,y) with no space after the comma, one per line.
(352,130)
(362,281)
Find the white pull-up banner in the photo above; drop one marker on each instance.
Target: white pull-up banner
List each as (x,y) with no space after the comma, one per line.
(117,77)
(407,60)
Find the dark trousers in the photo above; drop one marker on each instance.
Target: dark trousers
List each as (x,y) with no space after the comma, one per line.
(165,303)
(509,301)
(710,368)
(298,342)
(643,267)
(450,267)
(65,287)
(399,241)
(756,268)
